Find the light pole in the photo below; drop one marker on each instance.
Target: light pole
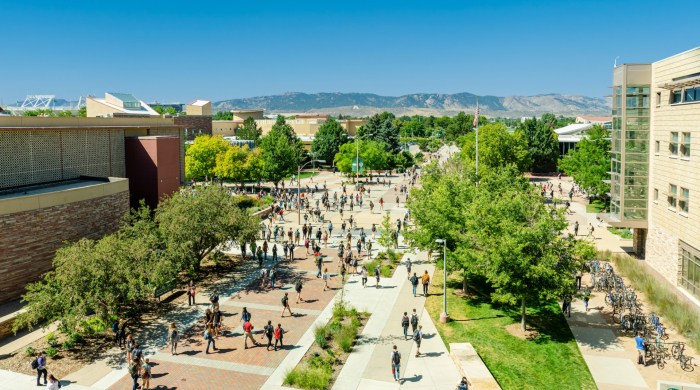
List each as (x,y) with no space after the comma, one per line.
(299,168)
(444,317)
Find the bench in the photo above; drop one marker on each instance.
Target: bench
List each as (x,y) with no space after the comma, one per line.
(164,289)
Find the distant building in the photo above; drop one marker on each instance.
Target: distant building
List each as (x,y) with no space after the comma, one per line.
(570,135)
(241,115)
(199,107)
(605,121)
(198,119)
(118,104)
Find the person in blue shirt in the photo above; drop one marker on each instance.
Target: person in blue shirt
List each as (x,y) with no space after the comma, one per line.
(640,349)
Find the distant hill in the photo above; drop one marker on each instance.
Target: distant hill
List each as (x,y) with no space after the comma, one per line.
(362,104)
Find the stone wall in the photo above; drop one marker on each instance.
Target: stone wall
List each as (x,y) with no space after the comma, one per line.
(29,239)
(194,124)
(662,254)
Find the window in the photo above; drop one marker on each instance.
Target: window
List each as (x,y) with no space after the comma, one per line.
(657,147)
(656,194)
(685,146)
(690,273)
(672,196)
(683,201)
(689,95)
(673,144)
(676,96)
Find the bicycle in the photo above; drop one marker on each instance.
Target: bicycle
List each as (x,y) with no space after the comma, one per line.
(686,362)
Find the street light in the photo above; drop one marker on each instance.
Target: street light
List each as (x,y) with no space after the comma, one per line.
(299,168)
(444,317)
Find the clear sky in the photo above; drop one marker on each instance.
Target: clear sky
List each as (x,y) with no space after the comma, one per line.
(181,50)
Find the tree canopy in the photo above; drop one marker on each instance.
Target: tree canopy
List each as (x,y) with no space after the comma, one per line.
(497,147)
(250,130)
(372,153)
(382,127)
(329,137)
(542,142)
(200,158)
(280,152)
(589,163)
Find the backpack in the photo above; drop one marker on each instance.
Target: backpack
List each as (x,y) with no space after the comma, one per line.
(404,322)
(269,330)
(396,358)
(284,301)
(132,370)
(35,363)
(207,336)
(214,298)
(414,320)
(414,280)
(115,326)
(416,335)
(298,285)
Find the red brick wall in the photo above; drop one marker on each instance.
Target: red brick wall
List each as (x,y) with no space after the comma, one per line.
(194,123)
(29,239)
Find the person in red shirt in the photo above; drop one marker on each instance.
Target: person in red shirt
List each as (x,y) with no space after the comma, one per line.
(248,330)
(279,334)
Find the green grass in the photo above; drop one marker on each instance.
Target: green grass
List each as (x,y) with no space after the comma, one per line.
(550,361)
(684,317)
(624,233)
(304,175)
(318,378)
(596,206)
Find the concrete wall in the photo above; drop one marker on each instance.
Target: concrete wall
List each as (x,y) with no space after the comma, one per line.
(33,227)
(668,225)
(152,168)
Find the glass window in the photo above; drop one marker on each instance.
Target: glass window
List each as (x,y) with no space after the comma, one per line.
(640,214)
(672,196)
(676,96)
(673,144)
(683,200)
(689,95)
(690,273)
(685,146)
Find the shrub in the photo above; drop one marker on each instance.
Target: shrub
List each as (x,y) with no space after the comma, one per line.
(320,336)
(346,337)
(51,339)
(68,344)
(93,325)
(318,378)
(75,338)
(30,351)
(51,352)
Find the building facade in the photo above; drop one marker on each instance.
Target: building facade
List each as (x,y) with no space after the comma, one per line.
(655,172)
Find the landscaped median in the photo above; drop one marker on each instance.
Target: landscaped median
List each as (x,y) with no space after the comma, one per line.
(544,357)
(332,344)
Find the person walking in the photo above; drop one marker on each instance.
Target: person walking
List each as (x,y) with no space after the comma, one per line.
(414,283)
(464,384)
(40,366)
(54,384)
(208,335)
(325,279)
(285,248)
(297,287)
(285,304)
(408,266)
(591,229)
(191,291)
(217,319)
(274,252)
(248,335)
(418,338)
(404,324)
(396,364)
(576,228)
(273,276)
(377,276)
(426,281)
(342,272)
(641,350)
(363,275)
(173,338)
(414,321)
(269,331)
(133,369)
(586,298)
(279,336)
(146,375)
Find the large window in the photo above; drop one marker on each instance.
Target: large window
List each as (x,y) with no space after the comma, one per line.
(689,95)
(690,273)
(673,144)
(685,146)
(684,200)
(672,196)
(676,96)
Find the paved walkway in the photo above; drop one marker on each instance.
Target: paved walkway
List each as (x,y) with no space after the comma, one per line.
(258,368)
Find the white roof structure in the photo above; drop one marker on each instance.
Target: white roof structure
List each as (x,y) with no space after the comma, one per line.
(125,104)
(199,102)
(573,132)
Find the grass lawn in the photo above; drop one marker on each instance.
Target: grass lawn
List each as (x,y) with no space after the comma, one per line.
(624,233)
(304,175)
(596,206)
(552,360)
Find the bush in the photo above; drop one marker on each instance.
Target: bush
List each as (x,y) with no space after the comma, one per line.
(68,344)
(318,378)
(346,337)
(30,351)
(75,338)
(51,339)
(51,352)
(93,325)
(320,336)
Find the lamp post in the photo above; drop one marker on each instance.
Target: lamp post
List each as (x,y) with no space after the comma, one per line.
(444,317)
(299,168)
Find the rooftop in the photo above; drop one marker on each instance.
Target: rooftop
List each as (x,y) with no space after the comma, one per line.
(199,102)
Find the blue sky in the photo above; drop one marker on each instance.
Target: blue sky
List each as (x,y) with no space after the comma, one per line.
(181,50)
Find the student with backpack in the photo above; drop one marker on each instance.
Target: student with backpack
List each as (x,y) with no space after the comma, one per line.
(173,338)
(297,287)
(285,304)
(396,364)
(404,325)
(146,374)
(208,336)
(279,335)
(39,364)
(414,283)
(133,369)
(273,275)
(418,338)
(137,353)
(268,331)
(414,321)
(377,276)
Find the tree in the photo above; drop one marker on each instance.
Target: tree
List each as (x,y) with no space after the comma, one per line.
(329,137)
(65,114)
(372,154)
(231,164)
(497,147)
(82,112)
(250,130)
(223,116)
(589,163)
(460,125)
(200,158)
(280,153)
(542,143)
(387,238)
(195,223)
(381,127)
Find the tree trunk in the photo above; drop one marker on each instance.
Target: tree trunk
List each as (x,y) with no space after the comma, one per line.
(464,284)
(522,314)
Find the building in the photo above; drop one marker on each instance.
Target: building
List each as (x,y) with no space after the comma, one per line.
(241,115)
(570,135)
(198,119)
(199,107)
(63,179)
(655,180)
(605,121)
(117,104)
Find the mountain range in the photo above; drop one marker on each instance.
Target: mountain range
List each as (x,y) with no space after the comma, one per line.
(363,104)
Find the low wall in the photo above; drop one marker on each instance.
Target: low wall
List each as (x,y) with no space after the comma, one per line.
(471,366)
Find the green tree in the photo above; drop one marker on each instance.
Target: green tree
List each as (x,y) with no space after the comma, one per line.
(82,112)
(459,126)
(250,130)
(200,158)
(280,153)
(231,164)
(65,114)
(497,147)
(372,154)
(223,116)
(387,238)
(542,143)
(382,127)
(329,137)
(194,224)
(589,163)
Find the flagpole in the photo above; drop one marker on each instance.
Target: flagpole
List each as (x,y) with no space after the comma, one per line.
(476,122)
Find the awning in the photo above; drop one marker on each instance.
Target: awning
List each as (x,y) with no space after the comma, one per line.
(681,83)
